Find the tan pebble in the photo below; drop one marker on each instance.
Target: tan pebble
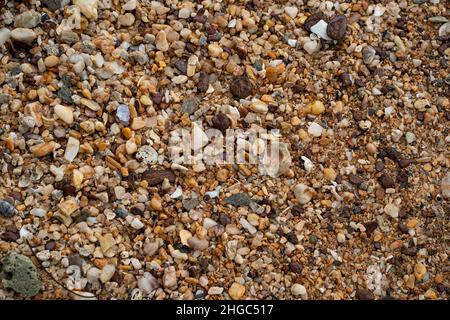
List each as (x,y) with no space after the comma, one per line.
(130,146)
(64,113)
(156,204)
(419,271)
(430,294)
(329,174)
(184,237)
(51,61)
(42,149)
(438,279)
(145,100)
(411,224)
(371,148)
(222,175)
(236,291)
(77,178)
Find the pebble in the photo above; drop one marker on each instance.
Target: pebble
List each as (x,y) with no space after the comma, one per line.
(123,113)
(238,200)
(329,174)
(64,113)
(130,5)
(298,290)
(291,11)
(198,244)
(170,277)
(5,34)
(88,8)
(364,294)
(72,148)
(303,193)
(337,27)
(148,283)
(241,87)
(391,210)
(6,209)
(28,19)
(236,291)
(161,41)
(107,273)
(23,35)
(315,129)
(313,20)
(259,106)
(420,271)
(445,186)
(317,107)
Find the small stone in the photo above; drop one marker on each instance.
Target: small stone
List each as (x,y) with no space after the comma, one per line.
(419,271)
(94,106)
(198,244)
(72,148)
(28,19)
(296,267)
(170,277)
(126,19)
(130,5)
(51,61)
(315,129)
(238,200)
(52,5)
(364,294)
(88,8)
(445,186)
(303,193)
(241,87)
(68,206)
(329,174)
(320,29)
(430,294)
(147,154)
(386,181)
(340,237)
(184,13)
(155,177)
(148,283)
(190,105)
(130,146)
(259,106)
(221,121)
(214,50)
(236,291)
(43,149)
(137,224)
(64,113)
(317,108)
(298,290)
(6,209)
(23,35)
(391,210)
(337,27)
(291,11)
(22,274)
(123,113)
(107,273)
(161,41)
(5,34)
(203,82)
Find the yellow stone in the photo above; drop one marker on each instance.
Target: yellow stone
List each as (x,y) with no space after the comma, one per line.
(438,278)
(317,107)
(329,174)
(412,223)
(146,101)
(51,61)
(77,178)
(184,237)
(236,291)
(430,294)
(222,175)
(42,149)
(156,204)
(127,133)
(68,206)
(419,271)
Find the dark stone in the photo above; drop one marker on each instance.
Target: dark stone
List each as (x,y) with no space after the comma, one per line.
(296,267)
(52,5)
(386,181)
(221,121)
(10,236)
(224,219)
(157,98)
(6,209)
(155,177)
(297,210)
(238,199)
(403,228)
(355,179)
(203,82)
(241,87)
(297,89)
(122,213)
(181,66)
(345,79)
(370,227)
(82,216)
(292,238)
(337,27)
(313,19)
(379,166)
(189,204)
(404,163)
(117,277)
(363,294)
(65,92)
(50,245)
(190,105)
(76,260)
